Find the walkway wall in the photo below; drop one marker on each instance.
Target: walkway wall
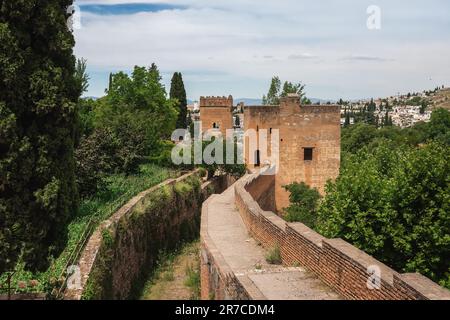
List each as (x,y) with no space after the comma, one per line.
(218,281)
(123,249)
(340,265)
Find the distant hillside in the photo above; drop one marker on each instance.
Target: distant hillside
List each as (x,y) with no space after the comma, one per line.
(90,97)
(441,99)
(321,101)
(248,101)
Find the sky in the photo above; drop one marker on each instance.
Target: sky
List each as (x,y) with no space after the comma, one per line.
(235,47)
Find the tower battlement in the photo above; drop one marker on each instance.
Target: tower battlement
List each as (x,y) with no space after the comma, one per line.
(212,101)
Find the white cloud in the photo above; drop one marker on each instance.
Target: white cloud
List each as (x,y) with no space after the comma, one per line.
(236,46)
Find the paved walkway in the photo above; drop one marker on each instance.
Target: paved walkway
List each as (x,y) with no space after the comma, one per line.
(245,257)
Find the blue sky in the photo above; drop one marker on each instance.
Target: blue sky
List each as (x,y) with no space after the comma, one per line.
(235,46)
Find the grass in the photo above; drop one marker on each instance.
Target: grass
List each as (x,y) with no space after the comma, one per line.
(273,256)
(193,280)
(120,188)
(176,277)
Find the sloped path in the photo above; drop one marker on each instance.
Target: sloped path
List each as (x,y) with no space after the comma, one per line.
(245,257)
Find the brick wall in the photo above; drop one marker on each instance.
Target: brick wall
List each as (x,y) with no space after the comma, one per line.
(340,265)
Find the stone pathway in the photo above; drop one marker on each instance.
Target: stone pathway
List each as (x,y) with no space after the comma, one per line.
(246,257)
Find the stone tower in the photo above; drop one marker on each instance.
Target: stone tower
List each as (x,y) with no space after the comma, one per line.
(309,143)
(216,113)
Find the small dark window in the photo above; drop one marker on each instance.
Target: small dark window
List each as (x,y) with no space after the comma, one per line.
(257,128)
(258,158)
(308,154)
(270,131)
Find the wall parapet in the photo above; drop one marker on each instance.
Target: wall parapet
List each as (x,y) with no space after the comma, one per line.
(126,246)
(345,268)
(219,282)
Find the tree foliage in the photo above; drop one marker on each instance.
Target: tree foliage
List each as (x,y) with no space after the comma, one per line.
(276,92)
(125,128)
(216,150)
(38,95)
(273,96)
(304,201)
(138,113)
(81,76)
(360,135)
(178,94)
(393,203)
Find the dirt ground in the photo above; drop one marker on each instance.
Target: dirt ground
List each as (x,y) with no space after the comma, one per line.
(177,277)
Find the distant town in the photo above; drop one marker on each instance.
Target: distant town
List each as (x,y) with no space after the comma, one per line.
(402,110)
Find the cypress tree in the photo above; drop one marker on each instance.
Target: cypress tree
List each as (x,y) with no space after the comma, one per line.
(178,92)
(386,119)
(347,119)
(273,96)
(110,82)
(38,96)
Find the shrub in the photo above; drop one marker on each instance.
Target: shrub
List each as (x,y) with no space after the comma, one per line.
(273,256)
(96,156)
(304,201)
(193,280)
(393,204)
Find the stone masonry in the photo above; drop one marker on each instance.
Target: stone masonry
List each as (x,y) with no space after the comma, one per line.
(309,139)
(236,232)
(216,113)
(303,129)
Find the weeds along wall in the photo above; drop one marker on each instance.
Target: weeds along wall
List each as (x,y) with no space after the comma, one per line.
(124,249)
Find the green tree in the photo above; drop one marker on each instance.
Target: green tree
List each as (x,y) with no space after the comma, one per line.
(83,121)
(273,96)
(347,119)
(139,114)
(38,96)
(85,118)
(439,126)
(237,121)
(393,203)
(290,87)
(111,76)
(178,93)
(275,92)
(81,76)
(304,201)
(97,155)
(357,136)
(386,119)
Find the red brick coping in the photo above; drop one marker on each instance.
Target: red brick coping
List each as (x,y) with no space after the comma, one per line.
(343,267)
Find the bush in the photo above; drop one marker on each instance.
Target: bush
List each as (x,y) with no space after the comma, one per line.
(393,204)
(273,256)
(96,156)
(163,155)
(193,280)
(304,201)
